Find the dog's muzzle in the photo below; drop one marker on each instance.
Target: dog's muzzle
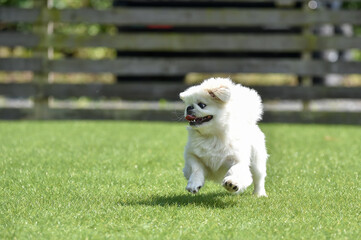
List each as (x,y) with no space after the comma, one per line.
(190,110)
(193,120)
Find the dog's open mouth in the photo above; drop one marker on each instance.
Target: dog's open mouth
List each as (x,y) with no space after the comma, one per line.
(193,120)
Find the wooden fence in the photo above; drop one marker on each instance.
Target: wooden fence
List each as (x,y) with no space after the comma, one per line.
(147,64)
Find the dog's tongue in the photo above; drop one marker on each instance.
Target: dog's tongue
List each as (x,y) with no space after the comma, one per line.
(190,117)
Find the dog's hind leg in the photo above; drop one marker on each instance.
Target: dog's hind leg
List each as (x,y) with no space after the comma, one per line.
(258,168)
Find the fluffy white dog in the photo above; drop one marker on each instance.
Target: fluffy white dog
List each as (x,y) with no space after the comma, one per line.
(224,143)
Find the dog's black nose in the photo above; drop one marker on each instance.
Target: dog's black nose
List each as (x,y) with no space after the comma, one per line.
(190,109)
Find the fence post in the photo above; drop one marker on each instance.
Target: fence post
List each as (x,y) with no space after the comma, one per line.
(40,78)
(306,56)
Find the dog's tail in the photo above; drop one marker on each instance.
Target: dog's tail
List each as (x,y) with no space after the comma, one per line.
(251,104)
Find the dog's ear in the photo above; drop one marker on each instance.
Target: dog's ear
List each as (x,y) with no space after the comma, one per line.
(221,93)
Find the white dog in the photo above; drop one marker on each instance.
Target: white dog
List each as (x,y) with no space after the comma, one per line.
(224,143)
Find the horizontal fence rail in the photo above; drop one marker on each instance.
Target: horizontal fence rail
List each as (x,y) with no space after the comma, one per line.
(176,42)
(169,91)
(130,66)
(182,16)
(173,115)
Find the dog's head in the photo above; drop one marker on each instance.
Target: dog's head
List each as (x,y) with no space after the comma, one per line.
(205,103)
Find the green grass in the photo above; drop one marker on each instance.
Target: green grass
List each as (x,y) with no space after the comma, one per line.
(120,180)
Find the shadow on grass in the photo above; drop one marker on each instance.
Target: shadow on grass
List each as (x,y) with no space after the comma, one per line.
(213,200)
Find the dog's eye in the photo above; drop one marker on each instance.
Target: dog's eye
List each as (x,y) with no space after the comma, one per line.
(202,105)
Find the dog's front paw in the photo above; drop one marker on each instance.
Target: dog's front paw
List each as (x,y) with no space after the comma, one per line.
(193,187)
(260,193)
(231,185)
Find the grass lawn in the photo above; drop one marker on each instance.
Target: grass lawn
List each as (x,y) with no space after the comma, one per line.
(122,180)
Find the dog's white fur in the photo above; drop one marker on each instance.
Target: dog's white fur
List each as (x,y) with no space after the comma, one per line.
(230,148)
